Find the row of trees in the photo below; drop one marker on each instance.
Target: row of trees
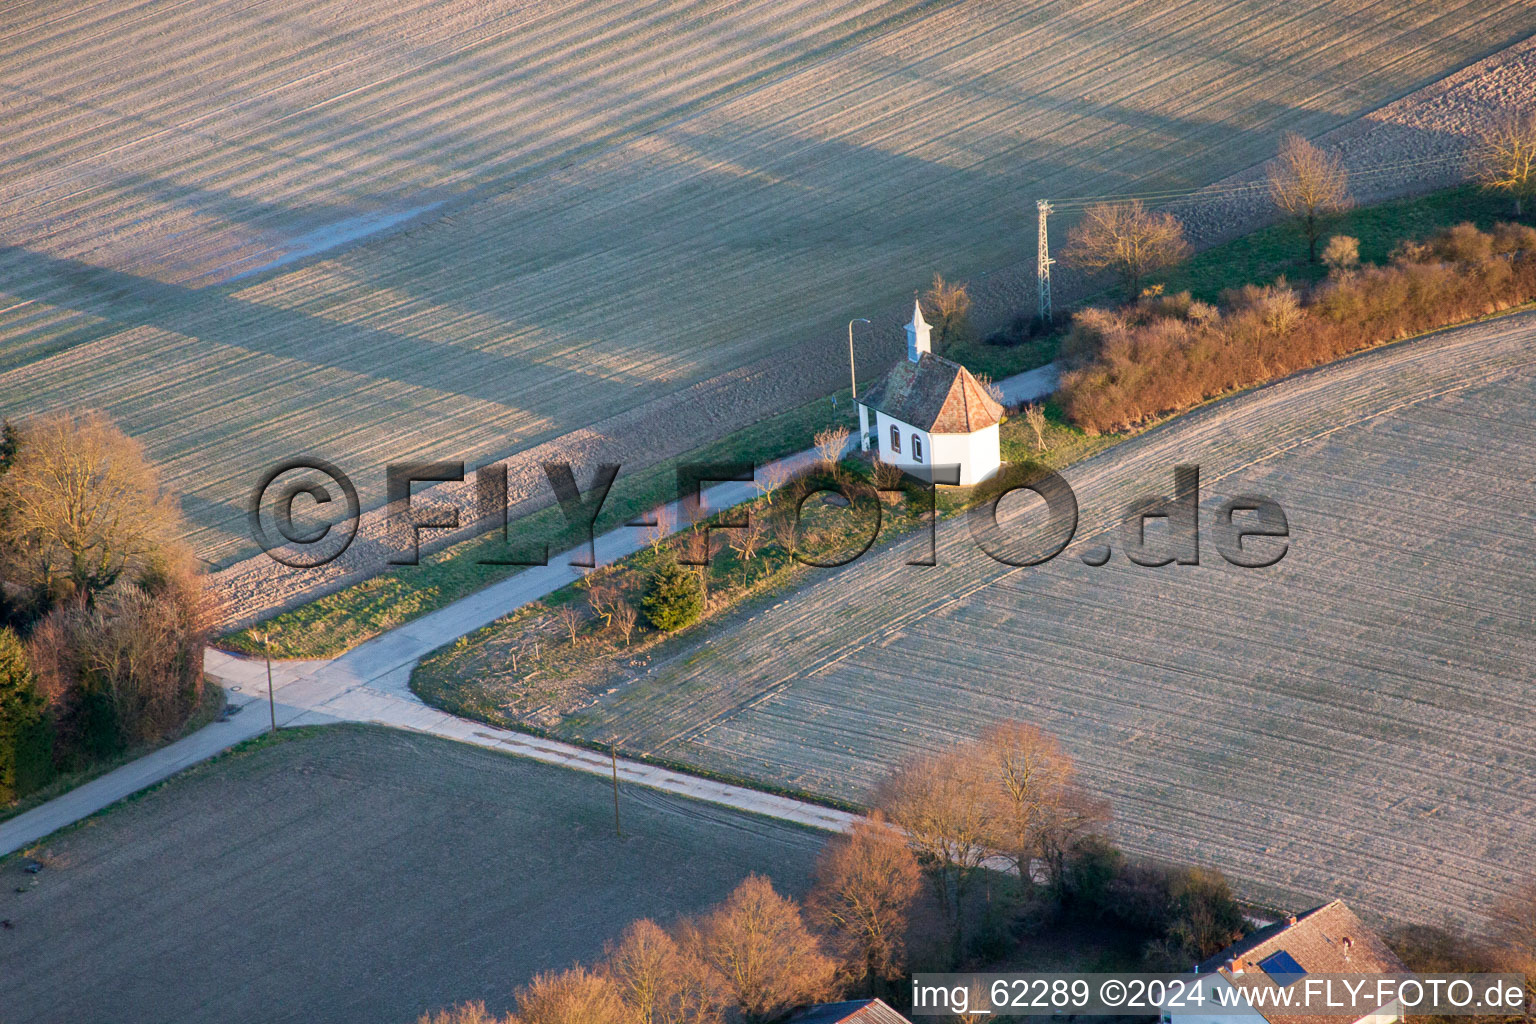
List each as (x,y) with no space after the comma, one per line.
(1163,354)
(1308,186)
(899,886)
(105,619)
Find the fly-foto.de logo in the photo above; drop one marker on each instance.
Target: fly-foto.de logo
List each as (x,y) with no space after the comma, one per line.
(1248,531)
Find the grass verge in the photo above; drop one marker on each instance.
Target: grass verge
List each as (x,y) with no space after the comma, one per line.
(1263,255)
(536,668)
(337,622)
(213,702)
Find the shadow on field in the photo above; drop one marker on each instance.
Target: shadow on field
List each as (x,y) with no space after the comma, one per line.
(359,874)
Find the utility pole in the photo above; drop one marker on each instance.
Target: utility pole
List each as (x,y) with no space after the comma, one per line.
(613,756)
(852,378)
(266,644)
(1043,263)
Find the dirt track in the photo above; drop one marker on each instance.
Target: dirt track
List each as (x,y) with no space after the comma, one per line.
(359,875)
(1351,722)
(631,201)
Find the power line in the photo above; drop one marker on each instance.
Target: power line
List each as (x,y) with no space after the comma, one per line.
(1237,189)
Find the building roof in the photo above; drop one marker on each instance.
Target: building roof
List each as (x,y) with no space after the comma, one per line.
(855,1011)
(934,394)
(1327,940)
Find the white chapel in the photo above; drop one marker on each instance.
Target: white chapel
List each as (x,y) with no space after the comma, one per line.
(929,411)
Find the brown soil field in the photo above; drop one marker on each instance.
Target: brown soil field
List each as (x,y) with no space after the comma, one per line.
(1353,721)
(382,230)
(358,874)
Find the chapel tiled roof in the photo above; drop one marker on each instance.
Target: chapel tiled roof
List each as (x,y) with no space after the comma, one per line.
(936,395)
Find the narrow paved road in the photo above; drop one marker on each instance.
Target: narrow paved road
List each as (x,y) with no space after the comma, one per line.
(370,684)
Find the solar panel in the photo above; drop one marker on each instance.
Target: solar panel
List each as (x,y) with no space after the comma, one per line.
(1283,968)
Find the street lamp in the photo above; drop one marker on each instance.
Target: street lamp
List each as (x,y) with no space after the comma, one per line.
(265,639)
(852,378)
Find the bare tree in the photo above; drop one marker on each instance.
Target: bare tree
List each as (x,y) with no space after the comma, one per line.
(80,508)
(1505,157)
(765,957)
(829,447)
(1128,240)
(992,388)
(602,598)
(770,478)
(574,996)
(660,981)
(464,1013)
(569,617)
(749,538)
(947,303)
(1034,415)
(1030,787)
(1075,817)
(866,882)
(939,801)
(624,618)
(656,535)
(644,966)
(785,527)
(1308,185)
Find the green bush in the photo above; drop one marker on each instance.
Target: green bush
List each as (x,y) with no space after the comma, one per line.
(25,737)
(674,598)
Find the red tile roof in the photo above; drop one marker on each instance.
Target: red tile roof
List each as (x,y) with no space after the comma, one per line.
(934,394)
(856,1011)
(1327,940)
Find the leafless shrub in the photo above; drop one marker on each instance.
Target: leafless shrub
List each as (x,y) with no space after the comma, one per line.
(1342,253)
(624,618)
(1127,239)
(135,654)
(991,387)
(1513,932)
(1034,415)
(830,444)
(1309,186)
(569,618)
(784,526)
(1276,306)
(1203,313)
(602,598)
(770,478)
(887,476)
(662,527)
(746,540)
(1125,369)
(1505,156)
